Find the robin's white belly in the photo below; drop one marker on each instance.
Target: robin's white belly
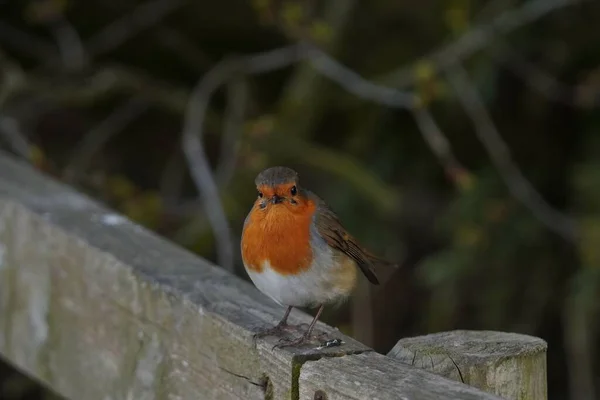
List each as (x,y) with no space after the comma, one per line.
(330,278)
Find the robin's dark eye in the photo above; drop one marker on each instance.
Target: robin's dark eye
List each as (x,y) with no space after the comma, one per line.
(293,190)
(260,194)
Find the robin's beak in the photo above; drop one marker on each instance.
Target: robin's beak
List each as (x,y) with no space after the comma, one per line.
(276,199)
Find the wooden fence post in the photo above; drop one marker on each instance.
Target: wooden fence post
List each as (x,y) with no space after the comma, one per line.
(510,365)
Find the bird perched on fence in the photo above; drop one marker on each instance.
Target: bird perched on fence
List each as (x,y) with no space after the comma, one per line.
(297,252)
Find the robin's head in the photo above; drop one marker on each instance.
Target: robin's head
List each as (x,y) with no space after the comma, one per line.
(279,187)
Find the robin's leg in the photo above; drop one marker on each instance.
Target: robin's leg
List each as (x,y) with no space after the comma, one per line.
(281,326)
(304,338)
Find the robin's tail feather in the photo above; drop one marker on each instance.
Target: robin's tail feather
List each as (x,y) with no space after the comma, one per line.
(376,269)
(382,268)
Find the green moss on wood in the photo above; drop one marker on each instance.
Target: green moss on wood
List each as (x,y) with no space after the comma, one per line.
(297,363)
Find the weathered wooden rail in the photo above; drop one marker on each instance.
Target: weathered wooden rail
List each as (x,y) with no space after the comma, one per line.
(96,307)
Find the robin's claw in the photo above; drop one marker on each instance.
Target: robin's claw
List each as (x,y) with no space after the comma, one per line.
(274,331)
(286,342)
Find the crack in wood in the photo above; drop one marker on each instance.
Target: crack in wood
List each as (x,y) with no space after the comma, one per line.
(262,384)
(458,369)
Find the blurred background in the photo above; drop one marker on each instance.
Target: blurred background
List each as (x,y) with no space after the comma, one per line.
(458,138)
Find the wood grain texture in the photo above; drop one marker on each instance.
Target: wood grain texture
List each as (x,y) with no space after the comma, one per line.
(99,308)
(374,376)
(510,365)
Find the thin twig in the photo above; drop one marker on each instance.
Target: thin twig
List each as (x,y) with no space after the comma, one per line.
(106,82)
(274,59)
(97,138)
(193,148)
(499,153)
(477,38)
(118,32)
(438,143)
(536,78)
(237,97)
(69,43)
(355,84)
(73,52)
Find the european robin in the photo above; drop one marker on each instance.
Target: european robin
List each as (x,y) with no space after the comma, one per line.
(297,252)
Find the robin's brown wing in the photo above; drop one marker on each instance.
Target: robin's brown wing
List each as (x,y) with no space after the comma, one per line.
(336,236)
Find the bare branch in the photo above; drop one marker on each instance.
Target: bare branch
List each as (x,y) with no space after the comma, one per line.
(438,143)
(107,81)
(70,46)
(499,153)
(237,97)
(477,38)
(171,181)
(273,59)
(193,148)
(538,79)
(358,86)
(94,140)
(172,177)
(143,17)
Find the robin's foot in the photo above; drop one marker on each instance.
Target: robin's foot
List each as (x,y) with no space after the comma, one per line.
(287,342)
(274,331)
(304,339)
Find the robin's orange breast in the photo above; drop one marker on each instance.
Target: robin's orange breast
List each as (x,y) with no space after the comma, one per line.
(279,236)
